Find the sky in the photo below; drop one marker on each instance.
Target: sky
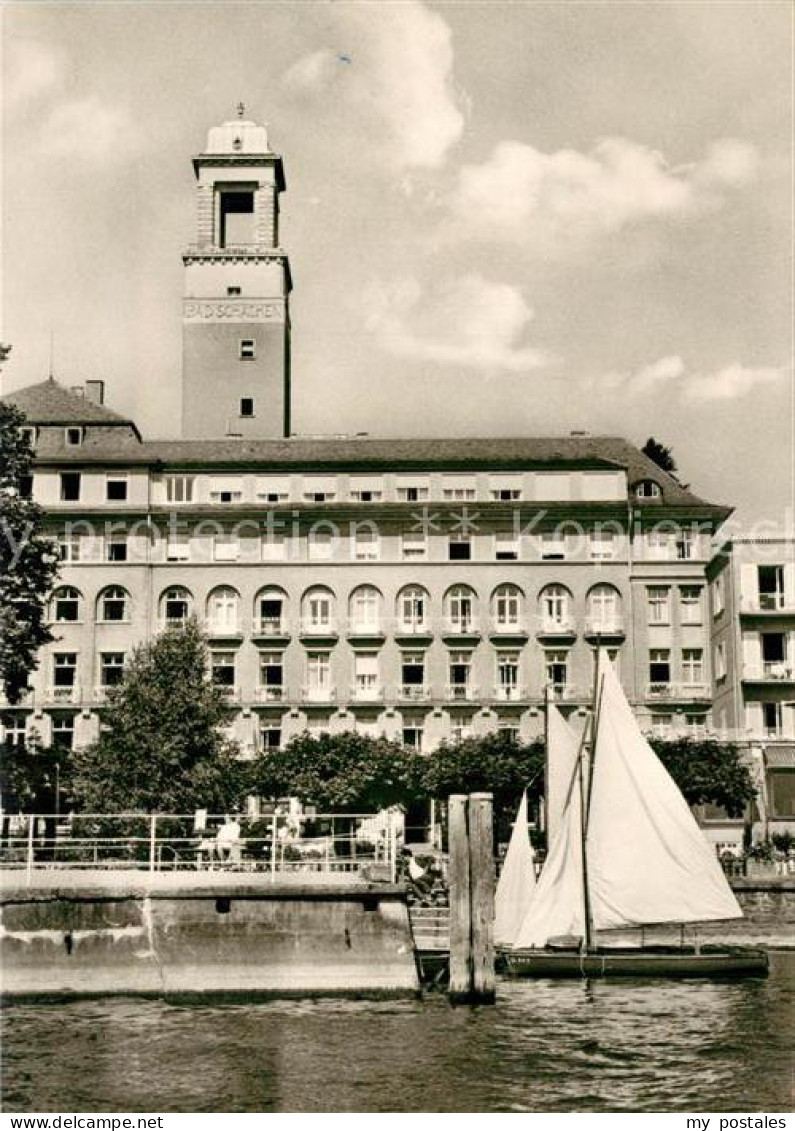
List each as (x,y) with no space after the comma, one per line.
(502,219)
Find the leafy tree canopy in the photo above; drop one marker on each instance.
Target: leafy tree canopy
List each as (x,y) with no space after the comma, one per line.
(31,775)
(28,561)
(340,773)
(162,747)
(708,772)
(660,454)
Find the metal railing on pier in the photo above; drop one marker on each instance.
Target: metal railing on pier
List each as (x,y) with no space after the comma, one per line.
(165,842)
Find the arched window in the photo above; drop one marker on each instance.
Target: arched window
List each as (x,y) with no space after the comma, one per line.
(317,609)
(223,607)
(604,608)
(66,604)
(413,609)
(364,609)
(114,604)
(460,605)
(648,489)
(506,606)
(555,607)
(176,605)
(270,611)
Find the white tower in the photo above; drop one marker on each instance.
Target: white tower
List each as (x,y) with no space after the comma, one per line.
(236,317)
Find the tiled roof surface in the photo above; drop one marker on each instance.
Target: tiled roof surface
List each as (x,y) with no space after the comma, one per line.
(49,402)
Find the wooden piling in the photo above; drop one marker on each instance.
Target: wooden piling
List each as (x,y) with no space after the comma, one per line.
(460,900)
(481,883)
(471,876)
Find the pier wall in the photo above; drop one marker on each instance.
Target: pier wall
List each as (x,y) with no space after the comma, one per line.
(232,936)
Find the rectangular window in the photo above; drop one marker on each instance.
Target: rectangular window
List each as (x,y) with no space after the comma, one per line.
(412,737)
(603,545)
(718,602)
(235,217)
(661,725)
(63,732)
(659,604)
(69,547)
(320,489)
(222,669)
(772,720)
(506,546)
(412,670)
(553,547)
(415,492)
(25,487)
(270,736)
(366,489)
(459,548)
(696,726)
(771,586)
(414,546)
(226,548)
(660,666)
(692,665)
(14,729)
(366,546)
(247,350)
(116,548)
(111,669)
(557,671)
(70,486)
(232,292)
(179,488)
(505,488)
(685,545)
(178,547)
(226,490)
(67,605)
(460,671)
(774,654)
(781,784)
(73,437)
(365,669)
(690,604)
(318,671)
(720,660)
(508,675)
(116,488)
(271,675)
(273,489)
(64,666)
(320,545)
(246,406)
(659,544)
(459,489)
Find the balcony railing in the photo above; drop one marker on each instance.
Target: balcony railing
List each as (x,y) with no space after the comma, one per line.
(271,626)
(777,672)
(318,694)
(270,693)
(605,626)
(414,692)
(366,694)
(364,628)
(461,626)
(696,692)
(319,628)
(231,694)
(556,626)
(510,694)
(461,692)
(413,627)
(223,628)
(63,694)
(768,603)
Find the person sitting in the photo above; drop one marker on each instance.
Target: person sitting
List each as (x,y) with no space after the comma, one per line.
(227,841)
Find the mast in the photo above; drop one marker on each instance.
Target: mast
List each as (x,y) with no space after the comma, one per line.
(547,699)
(585,799)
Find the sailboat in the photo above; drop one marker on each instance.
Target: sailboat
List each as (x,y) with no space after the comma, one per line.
(516,883)
(626,853)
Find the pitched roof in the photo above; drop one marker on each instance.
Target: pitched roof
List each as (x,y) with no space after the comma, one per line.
(49,402)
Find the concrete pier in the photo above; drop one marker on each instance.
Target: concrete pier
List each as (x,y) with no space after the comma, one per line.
(176,935)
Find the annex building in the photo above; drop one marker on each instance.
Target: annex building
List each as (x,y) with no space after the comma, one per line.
(423,589)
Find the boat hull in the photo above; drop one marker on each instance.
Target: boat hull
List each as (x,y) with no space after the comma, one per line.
(645,962)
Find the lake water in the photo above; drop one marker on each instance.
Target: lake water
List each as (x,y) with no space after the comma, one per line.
(696,1046)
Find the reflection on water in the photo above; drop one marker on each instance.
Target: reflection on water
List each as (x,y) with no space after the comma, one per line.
(546,1046)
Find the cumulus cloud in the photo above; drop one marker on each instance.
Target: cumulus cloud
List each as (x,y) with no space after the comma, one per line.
(396,79)
(670,376)
(564,197)
(88,129)
(469,321)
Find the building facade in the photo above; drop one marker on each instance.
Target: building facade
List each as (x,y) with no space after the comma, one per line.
(752,602)
(423,589)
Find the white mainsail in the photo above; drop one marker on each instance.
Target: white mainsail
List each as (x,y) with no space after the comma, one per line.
(516,882)
(563,746)
(647,859)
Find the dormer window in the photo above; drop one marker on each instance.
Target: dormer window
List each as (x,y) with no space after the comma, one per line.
(648,489)
(30,434)
(247,349)
(73,437)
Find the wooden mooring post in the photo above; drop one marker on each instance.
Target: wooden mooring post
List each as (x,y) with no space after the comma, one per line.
(471,876)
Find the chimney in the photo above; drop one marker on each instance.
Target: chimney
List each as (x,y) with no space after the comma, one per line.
(95,392)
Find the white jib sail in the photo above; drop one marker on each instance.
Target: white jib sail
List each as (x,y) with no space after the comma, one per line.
(516,882)
(648,861)
(563,746)
(555,909)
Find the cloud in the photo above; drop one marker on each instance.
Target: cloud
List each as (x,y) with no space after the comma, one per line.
(732,382)
(669,376)
(469,321)
(562,198)
(393,74)
(32,70)
(87,129)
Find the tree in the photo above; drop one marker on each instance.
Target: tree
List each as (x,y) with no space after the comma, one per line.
(28,560)
(494,763)
(708,773)
(34,778)
(161,746)
(661,455)
(342,773)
